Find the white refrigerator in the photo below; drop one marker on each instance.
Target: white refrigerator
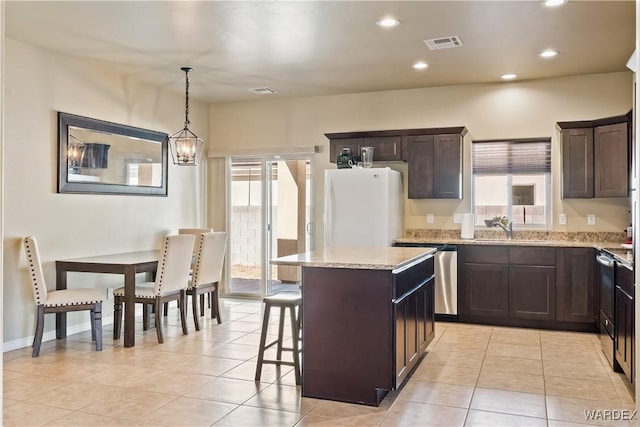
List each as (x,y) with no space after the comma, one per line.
(362,207)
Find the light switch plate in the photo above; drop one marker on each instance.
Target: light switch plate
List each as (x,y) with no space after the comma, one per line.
(562,220)
(457,218)
(429,218)
(591,219)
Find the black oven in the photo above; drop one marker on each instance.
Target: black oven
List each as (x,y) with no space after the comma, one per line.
(606,283)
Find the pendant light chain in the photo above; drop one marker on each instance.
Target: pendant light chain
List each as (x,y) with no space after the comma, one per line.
(186,104)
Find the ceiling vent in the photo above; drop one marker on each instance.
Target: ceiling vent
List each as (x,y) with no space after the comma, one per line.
(262,90)
(444,42)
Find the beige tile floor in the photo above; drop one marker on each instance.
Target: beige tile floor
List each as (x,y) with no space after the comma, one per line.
(473,375)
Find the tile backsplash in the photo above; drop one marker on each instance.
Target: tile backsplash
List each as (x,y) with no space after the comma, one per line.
(580,236)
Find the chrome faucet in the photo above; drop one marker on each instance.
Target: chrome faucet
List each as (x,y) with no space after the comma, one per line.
(503,222)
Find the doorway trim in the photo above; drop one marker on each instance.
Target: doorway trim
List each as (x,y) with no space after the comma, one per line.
(265,201)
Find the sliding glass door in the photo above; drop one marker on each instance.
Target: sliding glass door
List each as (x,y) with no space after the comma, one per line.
(268,213)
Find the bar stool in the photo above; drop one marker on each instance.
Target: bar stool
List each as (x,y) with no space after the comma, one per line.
(283,300)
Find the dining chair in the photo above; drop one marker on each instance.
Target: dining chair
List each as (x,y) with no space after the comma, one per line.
(207,273)
(197,232)
(60,301)
(170,284)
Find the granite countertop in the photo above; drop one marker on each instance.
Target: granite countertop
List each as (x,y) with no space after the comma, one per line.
(608,241)
(623,256)
(391,258)
(512,242)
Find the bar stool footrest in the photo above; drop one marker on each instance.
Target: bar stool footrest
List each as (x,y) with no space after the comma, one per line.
(278,362)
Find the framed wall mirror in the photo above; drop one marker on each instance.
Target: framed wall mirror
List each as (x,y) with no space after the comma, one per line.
(95,156)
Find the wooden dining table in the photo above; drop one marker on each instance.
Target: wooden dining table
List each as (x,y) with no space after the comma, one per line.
(128,264)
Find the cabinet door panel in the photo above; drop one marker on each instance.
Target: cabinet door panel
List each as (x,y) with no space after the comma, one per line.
(532,292)
(400,315)
(577,163)
(623,343)
(420,166)
(486,288)
(611,160)
(385,148)
(336,146)
(447,177)
(575,285)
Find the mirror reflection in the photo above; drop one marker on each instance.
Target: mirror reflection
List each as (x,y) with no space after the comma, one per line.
(104,157)
(113,159)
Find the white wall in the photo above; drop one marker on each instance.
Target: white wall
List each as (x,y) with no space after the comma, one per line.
(502,110)
(38,84)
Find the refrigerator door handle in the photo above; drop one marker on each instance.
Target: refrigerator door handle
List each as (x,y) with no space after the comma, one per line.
(327,214)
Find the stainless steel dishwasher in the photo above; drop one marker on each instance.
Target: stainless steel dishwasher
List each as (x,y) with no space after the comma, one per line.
(446,269)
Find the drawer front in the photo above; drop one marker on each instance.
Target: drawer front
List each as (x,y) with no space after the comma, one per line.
(385,148)
(410,278)
(532,256)
(486,254)
(625,279)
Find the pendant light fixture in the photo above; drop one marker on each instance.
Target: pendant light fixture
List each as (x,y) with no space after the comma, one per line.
(186,147)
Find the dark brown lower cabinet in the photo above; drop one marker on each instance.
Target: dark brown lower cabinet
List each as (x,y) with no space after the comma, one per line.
(624,340)
(414,323)
(486,290)
(532,292)
(364,330)
(575,285)
(525,286)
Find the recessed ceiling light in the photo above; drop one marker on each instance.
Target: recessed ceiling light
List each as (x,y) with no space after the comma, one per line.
(388,22)
(554,3)
(420,65)
(548,53)
(509,76)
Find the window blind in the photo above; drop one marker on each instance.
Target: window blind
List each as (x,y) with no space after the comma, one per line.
(514,156)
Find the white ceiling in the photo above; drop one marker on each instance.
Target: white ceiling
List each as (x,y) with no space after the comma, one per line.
(307,48)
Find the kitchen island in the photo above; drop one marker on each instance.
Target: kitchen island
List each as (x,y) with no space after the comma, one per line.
(368,317)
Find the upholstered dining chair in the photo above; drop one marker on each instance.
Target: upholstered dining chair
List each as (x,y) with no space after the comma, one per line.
(171,281)
(197,232)
(59,301)
(207,273)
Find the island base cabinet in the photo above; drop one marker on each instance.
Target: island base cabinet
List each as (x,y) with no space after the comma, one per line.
(414,328)
(354,325)
(346,334)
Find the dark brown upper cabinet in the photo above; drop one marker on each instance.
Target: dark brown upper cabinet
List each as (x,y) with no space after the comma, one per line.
(386,148)
(577,163)
(595,157)
(338,144)
(434,156)
(611,160)
(435,166)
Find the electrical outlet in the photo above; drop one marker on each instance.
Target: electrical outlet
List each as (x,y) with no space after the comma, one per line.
(591,219)
(457,218)
(562,220)
(429,218)
(110,293)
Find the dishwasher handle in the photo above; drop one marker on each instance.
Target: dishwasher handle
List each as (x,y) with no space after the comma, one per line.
(605,260)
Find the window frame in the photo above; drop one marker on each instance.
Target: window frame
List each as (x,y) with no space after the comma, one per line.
(509,176)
